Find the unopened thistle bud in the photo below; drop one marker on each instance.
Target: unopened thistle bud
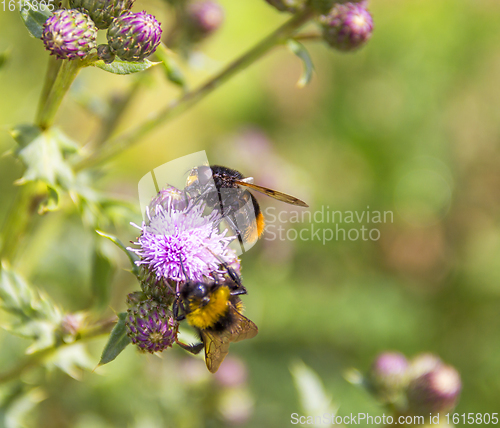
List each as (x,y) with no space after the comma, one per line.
(69,34)
(287,5)
(347,26)
(203,18)
(134,36)
(151,326)
(102,12)
(434,392)
(389,376)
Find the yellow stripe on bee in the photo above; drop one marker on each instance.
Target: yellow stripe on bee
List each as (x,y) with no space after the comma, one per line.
(208,315)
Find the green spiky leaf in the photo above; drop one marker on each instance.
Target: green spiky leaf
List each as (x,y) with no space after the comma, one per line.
(34,16)
(118,341)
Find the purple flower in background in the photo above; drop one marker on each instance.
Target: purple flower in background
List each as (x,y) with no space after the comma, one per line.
(151,326)
(347,26)
(435,391)
(134,36)
(69,34)
(172,234)
(203,18)
(388,376)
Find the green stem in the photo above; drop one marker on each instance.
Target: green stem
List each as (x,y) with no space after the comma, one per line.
(53,94)
(128,138)
(18,218)
(98,329)
(53,67)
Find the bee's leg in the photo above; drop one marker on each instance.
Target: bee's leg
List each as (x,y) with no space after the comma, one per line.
(193,348)
(175,309)
(232,224)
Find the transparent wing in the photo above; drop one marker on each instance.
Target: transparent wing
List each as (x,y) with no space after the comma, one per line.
(217,343)
(280,196)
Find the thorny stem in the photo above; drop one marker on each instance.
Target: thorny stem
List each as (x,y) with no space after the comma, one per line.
(99,328)
(123,141)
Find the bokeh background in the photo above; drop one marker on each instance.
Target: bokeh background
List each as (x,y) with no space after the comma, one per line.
(409,124)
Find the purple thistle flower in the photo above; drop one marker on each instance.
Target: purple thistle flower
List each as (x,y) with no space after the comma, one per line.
(173,234)
(134,36)
(69,34)
(347,26)
(151,326)
(203,18)
(436,391)
(389,376)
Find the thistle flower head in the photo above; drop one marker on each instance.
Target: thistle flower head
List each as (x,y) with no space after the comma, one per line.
(287,5)
(134,36)
(173,235)
(435,391)
(102,12)
(151,326)
(347,26)
(203,18)
(69,34)
(389,375)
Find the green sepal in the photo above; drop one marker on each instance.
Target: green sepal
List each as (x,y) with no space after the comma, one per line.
(117,342)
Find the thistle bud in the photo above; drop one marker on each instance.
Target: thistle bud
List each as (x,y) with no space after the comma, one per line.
(347,26)
(389,376)
(203,18)
(102,12)
(69,34)
(434,392)
(169,197)
(287,5)
(151,326)
(324,6)
(134,36)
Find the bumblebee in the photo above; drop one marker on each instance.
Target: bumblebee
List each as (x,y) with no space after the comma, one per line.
(227,190)
(214,309)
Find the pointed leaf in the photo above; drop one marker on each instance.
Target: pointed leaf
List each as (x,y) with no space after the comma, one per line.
(300,50)
(118,341)
(172,69)
(34,16)
(102,273)
(72,360)
(124,67)
(313,398)
(44,155)
(131,256)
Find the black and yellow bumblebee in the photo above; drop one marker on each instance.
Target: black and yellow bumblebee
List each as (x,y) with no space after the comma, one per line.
(232,198)
(214,309)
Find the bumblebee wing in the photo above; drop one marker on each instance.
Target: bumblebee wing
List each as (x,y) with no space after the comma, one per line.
(217,343)
(243,328)
(216,349)
(280,196)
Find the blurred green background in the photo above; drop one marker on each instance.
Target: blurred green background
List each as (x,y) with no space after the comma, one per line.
(409,124)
